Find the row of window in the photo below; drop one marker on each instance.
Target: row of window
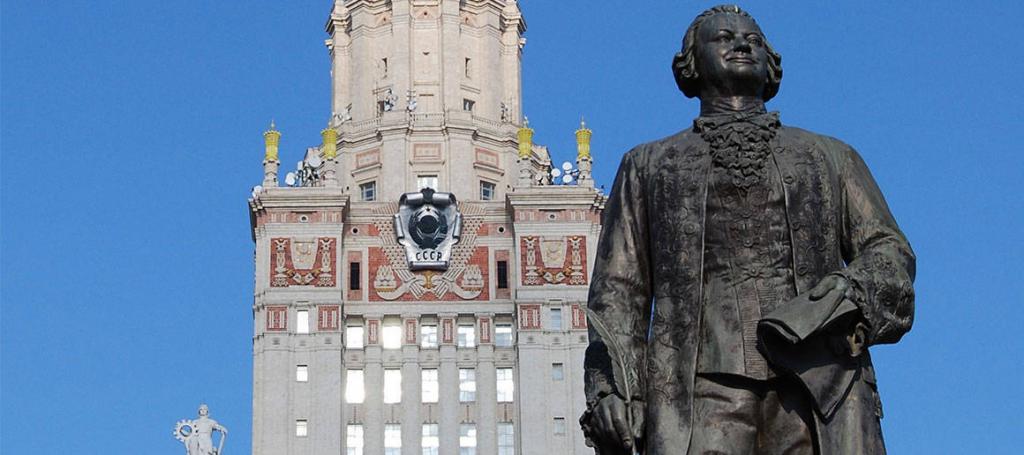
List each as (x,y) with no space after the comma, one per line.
(429,381)
(355,385)
(430,441)
(391,336)
(392,333)
(368,190)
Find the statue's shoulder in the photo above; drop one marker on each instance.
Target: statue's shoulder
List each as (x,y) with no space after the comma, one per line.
(685,142)
(791,135)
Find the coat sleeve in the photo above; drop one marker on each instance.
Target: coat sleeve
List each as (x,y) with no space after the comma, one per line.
(880,263)
(619,303)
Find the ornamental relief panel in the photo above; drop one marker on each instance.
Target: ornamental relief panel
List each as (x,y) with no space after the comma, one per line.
(303,262)
(391,278)
(553,260)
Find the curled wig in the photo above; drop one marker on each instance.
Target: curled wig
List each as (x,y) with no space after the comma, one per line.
(684,65)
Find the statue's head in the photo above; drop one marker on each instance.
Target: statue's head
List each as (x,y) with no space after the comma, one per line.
(725,50)
(204,410)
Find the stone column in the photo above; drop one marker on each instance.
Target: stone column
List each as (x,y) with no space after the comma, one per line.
(487,395)
(338,46)
(448,379)
(373,378)
(412,424)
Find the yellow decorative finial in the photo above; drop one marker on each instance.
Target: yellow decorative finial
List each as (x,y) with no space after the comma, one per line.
(271,139)
(525,140)
(583,140)
(330,144)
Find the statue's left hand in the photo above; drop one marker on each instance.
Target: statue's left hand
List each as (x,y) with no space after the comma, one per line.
(828,284)
(846,338)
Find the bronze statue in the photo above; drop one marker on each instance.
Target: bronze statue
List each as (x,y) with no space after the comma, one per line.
(744,267)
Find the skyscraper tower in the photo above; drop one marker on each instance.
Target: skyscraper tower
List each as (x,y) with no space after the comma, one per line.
(420,279)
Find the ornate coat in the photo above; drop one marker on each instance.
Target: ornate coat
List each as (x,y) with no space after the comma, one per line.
(647,282)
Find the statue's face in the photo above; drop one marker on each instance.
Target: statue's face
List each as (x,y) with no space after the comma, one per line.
(731,55)
(204,411)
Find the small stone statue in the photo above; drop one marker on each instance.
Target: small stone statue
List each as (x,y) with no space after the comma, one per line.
(341,117)
(744,269)
(197,435)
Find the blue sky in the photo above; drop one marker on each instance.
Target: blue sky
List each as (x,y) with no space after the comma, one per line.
(130,138)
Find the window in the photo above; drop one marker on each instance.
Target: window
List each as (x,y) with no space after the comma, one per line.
(354,391)
(486,191)
(428,386)
(506,385)
(506,439)
(354,440)
(301,373)
(467,384)
(469,67)
(392,439)
(368,191)
(392,336)
(426,181)
(354,337)
(468,104)
(503,335)
(430,441)
(383,67)
(392,386)
(467,336)
(556,319)
(502,274)
(301,428)
(467,439)
(428,336)
(559,426)
(302,321)
(354,276)
(557,372)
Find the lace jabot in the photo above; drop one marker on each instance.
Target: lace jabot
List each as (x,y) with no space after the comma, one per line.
(739,143)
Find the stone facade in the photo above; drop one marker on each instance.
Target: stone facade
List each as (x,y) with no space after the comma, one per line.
(334,300)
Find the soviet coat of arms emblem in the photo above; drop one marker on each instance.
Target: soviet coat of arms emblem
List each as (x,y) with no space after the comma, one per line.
(428,224)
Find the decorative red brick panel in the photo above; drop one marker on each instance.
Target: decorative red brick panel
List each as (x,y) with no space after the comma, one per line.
(558,216)
(426,152)
(277,318)
(494,230)
(298,263)
(529,317)
(327,317)
(487,158)
(485,330)
(362,230)
(447,331)
(387,285)
(579,317)
(410,331)
(367,158)
(553,260)
(316,216)
(372,331)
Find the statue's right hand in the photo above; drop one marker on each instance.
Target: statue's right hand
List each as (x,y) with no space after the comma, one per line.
(612,426)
